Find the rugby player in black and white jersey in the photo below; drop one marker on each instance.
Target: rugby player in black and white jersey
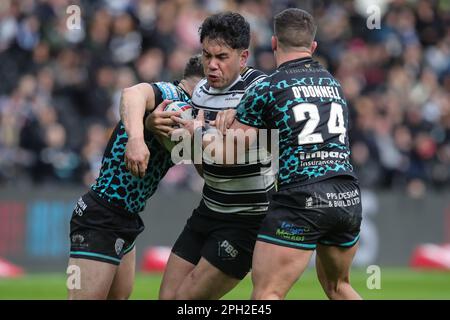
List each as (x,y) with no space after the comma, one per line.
(317,205)
(214,251)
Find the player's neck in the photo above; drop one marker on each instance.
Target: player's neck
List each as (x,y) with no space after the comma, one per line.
(282,56)
(188,86)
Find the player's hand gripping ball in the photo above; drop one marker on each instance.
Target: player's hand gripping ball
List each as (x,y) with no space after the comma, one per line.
(185,110)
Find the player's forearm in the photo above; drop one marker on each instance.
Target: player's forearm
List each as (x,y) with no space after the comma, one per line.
(132,111)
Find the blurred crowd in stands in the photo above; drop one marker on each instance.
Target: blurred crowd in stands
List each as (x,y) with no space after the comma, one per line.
(60,87)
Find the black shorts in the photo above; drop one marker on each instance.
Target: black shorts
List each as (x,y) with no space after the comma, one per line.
(327,212)
(101,232)
(227,242)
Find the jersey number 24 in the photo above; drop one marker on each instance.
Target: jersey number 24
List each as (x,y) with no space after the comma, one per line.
(336,124)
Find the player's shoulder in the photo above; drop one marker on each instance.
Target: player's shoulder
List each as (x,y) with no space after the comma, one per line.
(164,84)
(250,76)
(202,85)
(200,89)
(168,90)
(264,81)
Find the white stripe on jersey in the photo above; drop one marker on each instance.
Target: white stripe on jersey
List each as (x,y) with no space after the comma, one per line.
(257,156)
(260,182)
(242,210)
(254,183)
(243,192)
(205,100)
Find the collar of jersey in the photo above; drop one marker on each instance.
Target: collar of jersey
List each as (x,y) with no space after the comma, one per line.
(295,61)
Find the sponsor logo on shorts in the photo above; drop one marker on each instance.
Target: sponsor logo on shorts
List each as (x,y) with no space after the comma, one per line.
(80,207)
(227,251)
(119,245)
(343,199)
(309,202)
(79,241)
(291,232)
(315,201)
(77,238)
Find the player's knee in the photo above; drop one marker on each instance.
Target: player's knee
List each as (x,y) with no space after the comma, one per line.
(166,294)
(330,288)
(190,289)
(181,295)
(121,294)
(192,293)
(268,294)
(88,293)
(335,289)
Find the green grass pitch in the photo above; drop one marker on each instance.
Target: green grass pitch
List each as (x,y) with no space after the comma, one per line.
(396,283)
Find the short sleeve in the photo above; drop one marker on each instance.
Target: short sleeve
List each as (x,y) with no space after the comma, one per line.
(168,90)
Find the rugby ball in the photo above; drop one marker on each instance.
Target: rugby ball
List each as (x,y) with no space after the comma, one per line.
(186,114)
(184,107)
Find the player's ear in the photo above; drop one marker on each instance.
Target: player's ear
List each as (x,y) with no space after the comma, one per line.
(313,47)
(243,58)
(274,43)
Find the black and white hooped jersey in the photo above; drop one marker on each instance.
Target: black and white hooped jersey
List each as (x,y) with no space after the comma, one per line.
(241,189)
(306,104)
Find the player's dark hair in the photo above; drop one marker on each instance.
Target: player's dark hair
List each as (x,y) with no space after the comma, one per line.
(229,27)
(194,67)
(295,28)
